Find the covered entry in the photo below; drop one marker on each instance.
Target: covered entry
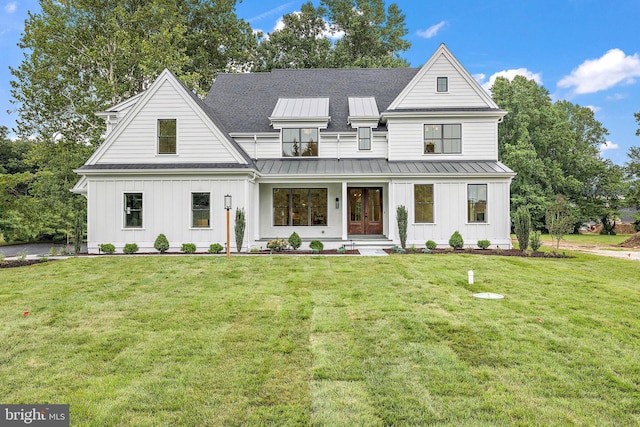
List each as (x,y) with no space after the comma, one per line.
(364,211)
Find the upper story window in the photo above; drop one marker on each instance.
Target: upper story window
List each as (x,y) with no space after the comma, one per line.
(442,84)
(364,138)
(200,209)
(133,210)
(167,136)
(297,142)
(442,139)
(477,203)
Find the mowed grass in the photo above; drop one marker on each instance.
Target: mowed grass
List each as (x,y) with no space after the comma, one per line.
(326,341)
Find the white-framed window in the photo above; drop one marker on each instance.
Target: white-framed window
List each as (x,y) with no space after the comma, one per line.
(364,138)
(299,206)
(167,136)
(200,210)
(442,139)
(477,203)
(442,84)
(423,203)
(300,142)
(132,210)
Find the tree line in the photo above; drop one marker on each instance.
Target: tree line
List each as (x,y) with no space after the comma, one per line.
(82,56)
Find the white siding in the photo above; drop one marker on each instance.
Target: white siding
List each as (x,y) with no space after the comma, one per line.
(196,142)
(450,212)
(166,209)
(460,94)
(406,139)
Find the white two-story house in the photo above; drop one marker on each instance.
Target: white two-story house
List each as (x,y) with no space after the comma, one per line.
(327,153)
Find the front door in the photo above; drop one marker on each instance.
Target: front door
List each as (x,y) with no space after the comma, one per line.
(365,210)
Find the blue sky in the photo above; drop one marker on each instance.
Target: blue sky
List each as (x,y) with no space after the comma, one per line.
(584,51)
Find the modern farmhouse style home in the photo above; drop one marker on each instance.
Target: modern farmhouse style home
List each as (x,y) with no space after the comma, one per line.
(327,153)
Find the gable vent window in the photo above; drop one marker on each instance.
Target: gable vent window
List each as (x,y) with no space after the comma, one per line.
(167,136)
(300,142)
(443,84)
(442,139)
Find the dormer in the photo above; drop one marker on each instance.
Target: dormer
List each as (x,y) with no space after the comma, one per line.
(300,113)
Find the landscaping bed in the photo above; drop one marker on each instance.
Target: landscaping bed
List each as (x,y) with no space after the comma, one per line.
(497,252)
(20,263)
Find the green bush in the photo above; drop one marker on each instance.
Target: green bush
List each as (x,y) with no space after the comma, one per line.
(316,246)
(522,226)
(456,241)
(426,251)
(278,245)
(535,241)
(241,224)
(188,248)
(2,258)
(295,241)
(342,250)
(162,243)
(215,248)
(107,248)
(402,217)
(431,245)
(130,248)
(484,244)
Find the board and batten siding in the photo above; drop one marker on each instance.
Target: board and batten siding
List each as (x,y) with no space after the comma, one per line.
(424,94)
(450,212)
(138,143)
(406,139)
(166,208)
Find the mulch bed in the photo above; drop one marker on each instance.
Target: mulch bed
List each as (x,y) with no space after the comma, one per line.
(497,252)
(18,263)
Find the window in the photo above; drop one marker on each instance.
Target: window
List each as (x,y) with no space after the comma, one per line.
(167,136)
(300,142)
(133,210)
(364,138)
(442,139)
(300,206)
(200,209)
(423,199)
(477,203)
(442,84)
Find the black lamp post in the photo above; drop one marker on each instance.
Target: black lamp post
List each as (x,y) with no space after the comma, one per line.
(227,206)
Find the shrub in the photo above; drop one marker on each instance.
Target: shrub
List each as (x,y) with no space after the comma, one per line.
(188,248)
(130,248)
(107,248)
(22,255)
(484,244)
(162,243)
(239,228)
(402,217)
(2,258)
(295,241)
(426,251)
(54,251)
(522,226)
(456,241)
(278,245)
(215,248)
(559,220)
(431,245)
(342,250)
(316,246)
(535,241)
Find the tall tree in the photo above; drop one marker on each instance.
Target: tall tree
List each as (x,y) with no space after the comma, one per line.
(363,34)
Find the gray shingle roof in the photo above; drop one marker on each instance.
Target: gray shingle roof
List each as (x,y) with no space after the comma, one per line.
(244,102)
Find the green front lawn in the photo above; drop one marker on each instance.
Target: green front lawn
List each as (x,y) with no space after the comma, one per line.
(285,340)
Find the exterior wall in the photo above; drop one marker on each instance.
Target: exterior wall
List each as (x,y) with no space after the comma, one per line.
(424,94)
(196,142)
(450,212)
(406,139)
(166,209)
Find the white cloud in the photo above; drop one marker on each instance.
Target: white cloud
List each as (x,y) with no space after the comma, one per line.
(509,75)
(617,97)
(280,24)
(11,7)
(432,30)
(270,12)
(594,75)
(593,108)
(608,145)
(326,33)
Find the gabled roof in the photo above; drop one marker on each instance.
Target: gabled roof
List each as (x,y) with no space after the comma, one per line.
(244,102)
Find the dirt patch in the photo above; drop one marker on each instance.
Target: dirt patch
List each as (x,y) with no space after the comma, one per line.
(19,263)
(632,242)
(621,228)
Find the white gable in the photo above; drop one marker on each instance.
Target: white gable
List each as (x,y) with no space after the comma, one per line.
(463,91)
(135,139)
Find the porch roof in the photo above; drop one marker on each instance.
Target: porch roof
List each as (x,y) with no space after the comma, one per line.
(378,167)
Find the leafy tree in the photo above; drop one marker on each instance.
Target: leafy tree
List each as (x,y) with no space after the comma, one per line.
(632,174)
(366,35)
(559,220)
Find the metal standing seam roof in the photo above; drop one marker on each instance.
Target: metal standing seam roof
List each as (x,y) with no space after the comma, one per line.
(363,107)
(301,108)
